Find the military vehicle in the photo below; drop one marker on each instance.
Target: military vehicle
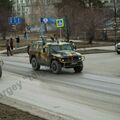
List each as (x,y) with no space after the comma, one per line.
(56,55)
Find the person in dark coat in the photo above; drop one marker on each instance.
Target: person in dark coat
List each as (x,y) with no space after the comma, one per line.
(25,35)
(8,48)
(11,43)
(17,41)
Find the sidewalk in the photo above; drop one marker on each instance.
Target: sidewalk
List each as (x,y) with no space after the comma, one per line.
(111,48)
(93,50)
(89,50)
(16,50)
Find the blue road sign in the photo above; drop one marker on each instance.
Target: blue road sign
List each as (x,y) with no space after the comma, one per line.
(14,20)
(44,20)
(52,20)
(47,20)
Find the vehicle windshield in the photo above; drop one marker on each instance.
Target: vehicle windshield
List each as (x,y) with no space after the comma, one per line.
(56,48)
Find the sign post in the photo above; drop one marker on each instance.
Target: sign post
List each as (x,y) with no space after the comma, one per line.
(14,21)
(60,24)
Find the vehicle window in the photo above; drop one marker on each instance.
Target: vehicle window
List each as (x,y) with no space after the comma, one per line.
(54,48)
(66,47)
(45,50)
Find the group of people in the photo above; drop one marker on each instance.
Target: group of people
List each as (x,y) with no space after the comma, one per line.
(10,45)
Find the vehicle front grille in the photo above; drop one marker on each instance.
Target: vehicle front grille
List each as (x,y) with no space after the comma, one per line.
(75,58)
(71,59)
(67,59)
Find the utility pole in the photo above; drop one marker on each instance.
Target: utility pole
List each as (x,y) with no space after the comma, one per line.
(115,20)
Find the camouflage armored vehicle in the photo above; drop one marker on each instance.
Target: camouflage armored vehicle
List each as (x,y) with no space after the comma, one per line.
(56,55)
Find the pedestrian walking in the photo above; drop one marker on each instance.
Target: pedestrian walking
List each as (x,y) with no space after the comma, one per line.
(17,41)
(9,52)
(26,35)
(11,43)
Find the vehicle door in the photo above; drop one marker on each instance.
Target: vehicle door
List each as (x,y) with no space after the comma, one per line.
(33,49)
(39,49)
(45,56)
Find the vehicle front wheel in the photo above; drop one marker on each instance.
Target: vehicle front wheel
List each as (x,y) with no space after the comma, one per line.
(56,67)
(35,64)
(78,69)
(0,71)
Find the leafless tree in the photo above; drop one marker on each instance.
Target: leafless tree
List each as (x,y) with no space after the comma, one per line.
(83,19)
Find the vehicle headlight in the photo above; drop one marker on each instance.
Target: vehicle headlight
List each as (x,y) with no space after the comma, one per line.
(62,60)
(80,58)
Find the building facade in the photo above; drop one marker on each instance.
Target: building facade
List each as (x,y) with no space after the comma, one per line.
(110,3)
(32,10)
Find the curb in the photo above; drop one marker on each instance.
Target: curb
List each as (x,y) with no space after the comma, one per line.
(95,51)
(34,110)
(16,51)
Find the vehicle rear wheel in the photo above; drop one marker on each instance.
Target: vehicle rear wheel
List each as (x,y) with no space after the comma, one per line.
(35,64)
(0,71)
(118,52)
(78,69)
(56,67)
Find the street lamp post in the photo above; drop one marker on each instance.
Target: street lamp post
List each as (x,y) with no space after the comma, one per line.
(115,20)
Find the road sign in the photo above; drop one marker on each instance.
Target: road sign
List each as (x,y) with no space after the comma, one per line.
(44,20)
(60,23)
(52,20)
(14,20)
(48,20)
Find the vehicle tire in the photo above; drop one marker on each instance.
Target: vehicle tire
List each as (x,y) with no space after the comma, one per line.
(118,52)
(0,71)
(56,67)
(35,64)
(78,69)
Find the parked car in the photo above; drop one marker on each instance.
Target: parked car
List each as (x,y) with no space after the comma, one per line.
(56,55)
(1,64)
(117,48)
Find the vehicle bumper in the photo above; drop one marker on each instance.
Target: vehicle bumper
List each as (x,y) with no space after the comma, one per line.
(72,65)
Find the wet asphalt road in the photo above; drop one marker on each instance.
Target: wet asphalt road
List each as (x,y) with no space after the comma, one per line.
(106,64)
(98,85)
